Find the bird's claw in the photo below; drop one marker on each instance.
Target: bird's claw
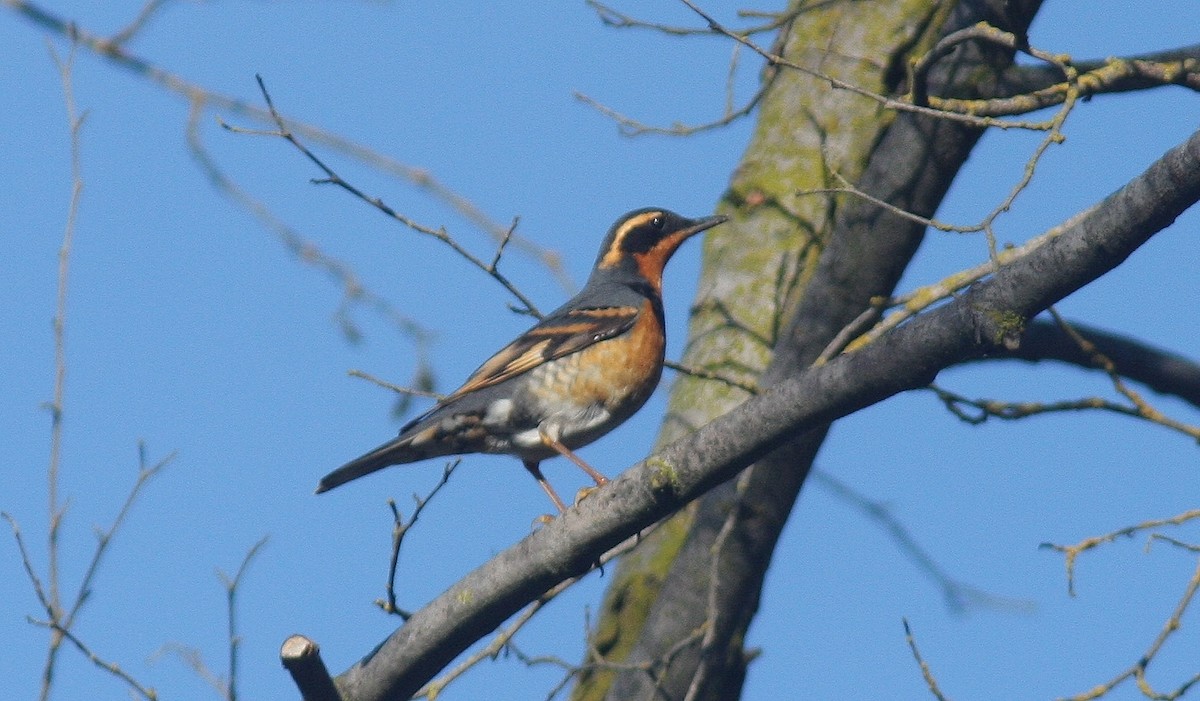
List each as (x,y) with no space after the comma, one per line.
(584,494)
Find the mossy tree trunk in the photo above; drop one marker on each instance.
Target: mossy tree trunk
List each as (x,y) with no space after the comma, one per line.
(779,282)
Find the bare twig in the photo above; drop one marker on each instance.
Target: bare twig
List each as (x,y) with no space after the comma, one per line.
(917,80)
(508,234)
(354,292)
(38,589)
(138,23)
(504,637)
(959,596)
(926,672)
(110,667)
(922,298)
(75,127)
(59,620)
(774,59)
(849,189)
(919,69)
(194,660)
(862,322)
(1191,547)
(1071,552)
(620,20)
(1137,671)
(1159,369)
(1141,406)
(115,52)
(399,389)
(1138,407)
(1011,411)
(716,627)
(332,178)
(701,373)
(400,528)
(231,585)
(632,127)
(55,511)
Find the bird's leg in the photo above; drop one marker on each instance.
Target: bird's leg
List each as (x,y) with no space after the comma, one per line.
(553,442)
(536,471)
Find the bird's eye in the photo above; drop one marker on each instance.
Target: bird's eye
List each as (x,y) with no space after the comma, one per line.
(657,222)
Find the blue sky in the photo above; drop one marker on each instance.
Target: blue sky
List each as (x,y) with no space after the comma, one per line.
(191,328)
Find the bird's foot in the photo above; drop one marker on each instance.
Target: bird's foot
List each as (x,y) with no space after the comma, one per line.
(540,521)
(584,494)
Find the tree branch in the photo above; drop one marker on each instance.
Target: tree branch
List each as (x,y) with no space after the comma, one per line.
(1157,368)
(987,317)
(1024,89)
(113,50)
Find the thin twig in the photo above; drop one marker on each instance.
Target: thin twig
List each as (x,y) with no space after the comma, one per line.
(715,634)
(508,234)
(1011,411)
(1191,547)
(1141,407)
(138,23)
(38,589)
(865,320)
(1111,75)
(620,20)
(110,667)
(332,178)
(1138,407)
(115,52)
(231,585)
(1137,671)
(498,643)
(748,387)
(354,292)
(194,660)
(849,189)
(926,672)
(1054,135)
(400,528)
(916,301)
(774,59)
(55,510)
(104,537)
(632,127)
(399,389)
(958,595)
(1071,552)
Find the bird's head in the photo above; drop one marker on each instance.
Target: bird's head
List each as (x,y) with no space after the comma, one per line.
(642,241)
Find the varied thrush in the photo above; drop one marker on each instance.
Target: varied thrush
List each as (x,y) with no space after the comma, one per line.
(578,374)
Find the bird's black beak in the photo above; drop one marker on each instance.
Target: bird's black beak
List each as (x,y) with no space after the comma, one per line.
(695,226)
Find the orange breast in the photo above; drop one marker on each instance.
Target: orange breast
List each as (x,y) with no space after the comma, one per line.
(620,373)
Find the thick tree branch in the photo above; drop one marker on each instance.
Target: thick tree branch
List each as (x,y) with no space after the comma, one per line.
(1024,89)
(986,318)
(1159,369)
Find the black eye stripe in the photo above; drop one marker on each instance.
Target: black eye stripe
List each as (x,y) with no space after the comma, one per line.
(643,238)
(638,232)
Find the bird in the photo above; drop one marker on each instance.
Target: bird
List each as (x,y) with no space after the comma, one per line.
(577,374)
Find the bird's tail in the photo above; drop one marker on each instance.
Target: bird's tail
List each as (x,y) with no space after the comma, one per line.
(393,452)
